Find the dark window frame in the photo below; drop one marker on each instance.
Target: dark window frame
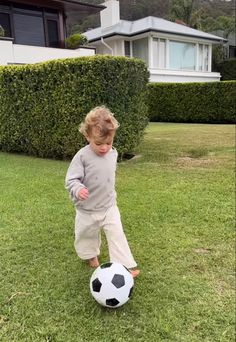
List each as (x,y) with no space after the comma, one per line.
(47,32)
(10,23)
(127,48)
(9,12)
(44,13)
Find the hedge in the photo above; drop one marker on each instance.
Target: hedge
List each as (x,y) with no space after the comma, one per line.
(42,105)
(212,102)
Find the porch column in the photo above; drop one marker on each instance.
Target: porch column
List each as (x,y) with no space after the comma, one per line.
(131,49)
(209,57)
(197,57)
(150,51)
(167,54)
(61,31)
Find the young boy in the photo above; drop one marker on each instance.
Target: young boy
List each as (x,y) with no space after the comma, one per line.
(90,181)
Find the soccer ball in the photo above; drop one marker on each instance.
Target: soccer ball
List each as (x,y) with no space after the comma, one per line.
(111,284)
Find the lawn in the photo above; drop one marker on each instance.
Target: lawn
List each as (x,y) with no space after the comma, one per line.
(176,197)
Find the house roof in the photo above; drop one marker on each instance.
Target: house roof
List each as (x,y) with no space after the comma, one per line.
(133,28)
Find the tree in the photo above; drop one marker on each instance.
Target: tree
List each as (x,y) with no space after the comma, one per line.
(183,10)
(226,24)
(205,15)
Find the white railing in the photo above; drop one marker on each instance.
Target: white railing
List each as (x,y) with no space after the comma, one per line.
(24,54)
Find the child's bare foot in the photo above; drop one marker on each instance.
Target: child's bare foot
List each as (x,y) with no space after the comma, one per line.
(134,273)
(93,262)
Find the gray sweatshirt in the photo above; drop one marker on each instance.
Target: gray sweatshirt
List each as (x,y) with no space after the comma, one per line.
(97,174)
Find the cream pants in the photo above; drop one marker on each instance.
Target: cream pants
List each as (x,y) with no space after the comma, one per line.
(88,236)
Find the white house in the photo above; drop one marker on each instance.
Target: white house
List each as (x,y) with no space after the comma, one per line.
(172,52)
(36,31)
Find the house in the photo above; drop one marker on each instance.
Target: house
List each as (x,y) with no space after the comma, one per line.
(172,52)
(35,31)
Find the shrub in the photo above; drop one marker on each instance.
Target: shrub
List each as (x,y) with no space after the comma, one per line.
(75,41)
(212,102)
(42,105)
(2,32)
(227,69)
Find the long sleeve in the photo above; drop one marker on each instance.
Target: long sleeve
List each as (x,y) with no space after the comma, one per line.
(75,177)
(97,174)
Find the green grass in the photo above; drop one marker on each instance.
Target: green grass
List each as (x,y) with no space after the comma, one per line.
(176,198)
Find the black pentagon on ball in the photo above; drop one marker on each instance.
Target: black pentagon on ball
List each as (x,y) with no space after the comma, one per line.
(96,285)
(112,302)
(118,280)
(106,265)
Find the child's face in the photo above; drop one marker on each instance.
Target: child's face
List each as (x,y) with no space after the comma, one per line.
(100,146)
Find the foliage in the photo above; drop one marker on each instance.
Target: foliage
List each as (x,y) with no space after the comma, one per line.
(75,41)
(212,102)
(2,32)
(219,52)
(227,69)
(226,24)
(42,105)
(200,14)
(182,10)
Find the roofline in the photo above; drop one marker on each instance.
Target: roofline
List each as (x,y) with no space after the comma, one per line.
(83,3)
(155,30)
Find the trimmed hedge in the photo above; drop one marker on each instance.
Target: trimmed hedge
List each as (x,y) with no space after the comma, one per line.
(42,105)
(212,102)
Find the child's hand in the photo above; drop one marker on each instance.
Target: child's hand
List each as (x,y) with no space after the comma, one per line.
(83,194)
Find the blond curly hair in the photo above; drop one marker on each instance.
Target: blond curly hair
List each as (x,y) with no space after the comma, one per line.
(99,122)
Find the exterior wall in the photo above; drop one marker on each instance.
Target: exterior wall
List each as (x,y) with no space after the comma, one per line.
(113,47)
(6,51)
(182,76)
(24,54)
(102,50)
(159,74)
(119,48)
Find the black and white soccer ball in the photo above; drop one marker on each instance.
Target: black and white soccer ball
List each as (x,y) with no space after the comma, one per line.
(111,284)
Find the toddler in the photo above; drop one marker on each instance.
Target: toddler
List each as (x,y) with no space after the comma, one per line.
(90,181)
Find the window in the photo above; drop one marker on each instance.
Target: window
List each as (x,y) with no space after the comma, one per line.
(159,55)
(206,57)
(182,56)
(127,48)
(140,49)
(232,51)
(30,25)
(29,30)
(203,57)
(162,53)
(4,7)
(31,10)
(6,24)
(52,29)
